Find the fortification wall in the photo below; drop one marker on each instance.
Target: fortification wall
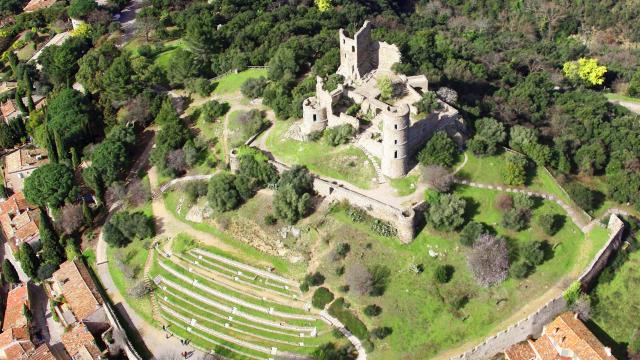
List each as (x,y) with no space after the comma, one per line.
(532,325)
(388,55)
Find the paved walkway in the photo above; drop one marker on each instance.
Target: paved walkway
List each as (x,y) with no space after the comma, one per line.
(362,354)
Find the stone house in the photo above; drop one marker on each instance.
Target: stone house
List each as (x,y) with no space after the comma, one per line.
(566,337)
(15,338)
(397,130)
(80,344)
(19,164)
(19,222)
(9,109)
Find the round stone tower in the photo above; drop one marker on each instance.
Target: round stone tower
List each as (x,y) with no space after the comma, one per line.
(314,117)
(395,141)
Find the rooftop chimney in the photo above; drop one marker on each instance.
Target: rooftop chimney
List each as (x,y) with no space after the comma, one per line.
(607,350)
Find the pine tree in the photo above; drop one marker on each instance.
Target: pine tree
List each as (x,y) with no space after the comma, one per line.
(20,104)
(13,62)
(52,251)
(9,272)
(28,260)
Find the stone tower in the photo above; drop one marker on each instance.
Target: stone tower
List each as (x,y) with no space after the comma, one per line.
(358,56)
(314,109)
(395,141)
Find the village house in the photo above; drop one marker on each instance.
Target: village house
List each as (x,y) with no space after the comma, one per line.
(80,344)
(15,339)
(19,164)
(566,337)
(76,297)
(19,222)
(10,111)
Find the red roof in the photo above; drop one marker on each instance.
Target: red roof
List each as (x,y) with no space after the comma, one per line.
(16,300)
(78,289)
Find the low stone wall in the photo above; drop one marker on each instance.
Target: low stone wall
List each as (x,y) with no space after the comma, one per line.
(532,325)
(129,349)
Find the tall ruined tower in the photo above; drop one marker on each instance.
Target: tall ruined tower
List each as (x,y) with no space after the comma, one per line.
(395,141)
(358,56)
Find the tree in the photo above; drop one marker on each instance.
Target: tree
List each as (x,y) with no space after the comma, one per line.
(110,158)
(182,66)
(489,133)
(515,219)
(550,223)
(50,185)
(124,227)
(72,218)
(489,260)
(20,104)
(321,297)
(583,196)
(118,80)
(323,5)
(213,110)
(438,178)
(585,70)
(385,86)
(443,273)
(381,332)
(591,157)
(339,135)
(428,103)
(60,63)
(359,278)
(28,260)
(201,33)
(69,114)
(79,9)
(113,236)
(52,251)
(9,273)
(147,21)
(372,310)
(447,212)
(472,231)
(283,65)
(515,170)
(253,88)
(439,150)
(222,193)
(533,252)
(634,84)
(290,205)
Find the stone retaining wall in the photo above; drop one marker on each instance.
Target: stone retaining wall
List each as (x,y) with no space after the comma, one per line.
(532,325)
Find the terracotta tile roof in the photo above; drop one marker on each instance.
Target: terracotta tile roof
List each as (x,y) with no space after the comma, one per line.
(19,164)
(520,351)
(35,5)
(568,333)
(15,343)
(80,343)
(19,221)
(43,352)
(74,282)
(13,334)
(8,109)
(16,300)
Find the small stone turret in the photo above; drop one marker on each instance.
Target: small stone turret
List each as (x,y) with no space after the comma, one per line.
(314,117)
(395,141)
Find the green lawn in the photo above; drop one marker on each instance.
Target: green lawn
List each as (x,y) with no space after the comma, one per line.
(343,162)
(232,82)
(406,185)
(421,312)
(619,97)
(170,48)
(132,257)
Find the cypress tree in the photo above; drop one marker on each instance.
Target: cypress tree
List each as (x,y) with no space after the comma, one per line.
(61,153)
(75,160)
(28,260)
(51,148)
(9,272)
(20,104)
(52,251)
(86,214)
(13,62)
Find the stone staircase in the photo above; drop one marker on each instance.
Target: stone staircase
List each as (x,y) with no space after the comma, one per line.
(372,159)
(155,308)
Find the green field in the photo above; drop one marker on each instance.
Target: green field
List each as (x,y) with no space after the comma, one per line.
(232,82)
(406,185)
(343,162)
(420,311)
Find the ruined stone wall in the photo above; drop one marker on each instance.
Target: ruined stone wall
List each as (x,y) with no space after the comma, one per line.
(388,55)
(532,325)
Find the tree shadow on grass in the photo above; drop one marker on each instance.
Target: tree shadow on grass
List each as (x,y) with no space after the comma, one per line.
(471,209)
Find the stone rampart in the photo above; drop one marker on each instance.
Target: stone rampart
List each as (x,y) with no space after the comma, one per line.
(532,325)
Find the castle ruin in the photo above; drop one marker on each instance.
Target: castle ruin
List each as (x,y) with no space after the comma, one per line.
(393,130)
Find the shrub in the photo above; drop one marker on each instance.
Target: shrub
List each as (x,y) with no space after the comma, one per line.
(193,190)
(471,232)
(583,196)
(253,88)
(380,276)
(504,202)
(523,201)
(213,110)
(515,219)
(304,286)
(315,279)
(359,278)
(339,135)
(438,178)
(372,310)
(439,150)
(353,110)
(222,193)
(269,219)
(428,103)
(533,252)
(520,269)
(343,249)
(515,171)
(200,86)
(572,293)
(443,273)
(549,223)
(343,288)
(634,342)
(315,135)
(125,227)
(340,270)
(447,212)
(321,297)
(381,332)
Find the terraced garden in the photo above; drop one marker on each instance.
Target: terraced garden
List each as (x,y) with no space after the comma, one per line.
(234,309)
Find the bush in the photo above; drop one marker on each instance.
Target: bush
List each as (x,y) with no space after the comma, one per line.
(572,293)
(447,212)
(340,270)
(253,88)
(193,190)
(515,171)
(380,276)
(315,135)
(304,286)
(583,196)
(200,86)
(269,219)
(520,269)
(222,193)
(315,279)
(549,223)
(124,227)
(471,232)
(342,249)
(523,201)
(213,110)
(515,219)
(372,310)
(439,150)
(489,260)
(381,332)
(339,135)
(443,273)
(533,252)
(438,178)
(428,103)
(321,297)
